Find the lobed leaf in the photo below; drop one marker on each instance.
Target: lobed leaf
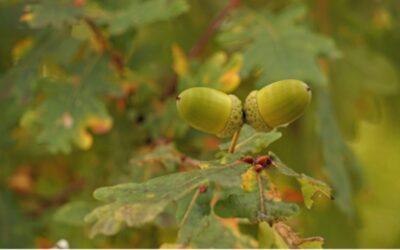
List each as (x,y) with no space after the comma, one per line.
(136,13)
(72,107)
(135,204)
(367,69)
(339,160)
(276,46)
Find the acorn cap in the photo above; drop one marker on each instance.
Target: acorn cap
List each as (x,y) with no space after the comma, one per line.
(210,110)
(235,120)
(277,104)
(252,113)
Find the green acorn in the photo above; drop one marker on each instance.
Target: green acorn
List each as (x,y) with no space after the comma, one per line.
(211,111)
(277,104)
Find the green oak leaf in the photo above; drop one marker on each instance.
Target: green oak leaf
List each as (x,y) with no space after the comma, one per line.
(196,219)
(277,46)
(250,142)
(136,13)
(134,204)
(340,163)
(241,204)
(55,13)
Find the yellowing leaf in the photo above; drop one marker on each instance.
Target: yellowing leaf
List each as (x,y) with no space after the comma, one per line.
(28,118)
(99,125)
(229,81)
(311,186)
(382,19)
(218,58)
(52,70)
(180,64)
(249,180)
(84,140)
(27,17)
(20,48)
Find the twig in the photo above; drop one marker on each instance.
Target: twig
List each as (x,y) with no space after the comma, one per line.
(203,40)
(291,237)
(116,58)
(188,160)
(201,43)
(190,207)
(234,141)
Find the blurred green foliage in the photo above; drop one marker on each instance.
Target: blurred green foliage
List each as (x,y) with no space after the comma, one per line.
(87,100)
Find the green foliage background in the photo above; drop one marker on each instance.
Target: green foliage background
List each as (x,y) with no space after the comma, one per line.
(87,100)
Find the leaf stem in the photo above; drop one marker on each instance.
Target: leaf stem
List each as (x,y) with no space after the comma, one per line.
(261,194)
(234,141)
(190,207)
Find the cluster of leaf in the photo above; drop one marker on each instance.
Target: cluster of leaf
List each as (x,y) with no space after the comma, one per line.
(135,204)
(281,46)
(67,69)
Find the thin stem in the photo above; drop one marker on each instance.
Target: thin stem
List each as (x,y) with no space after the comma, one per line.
(202,42)
(212,28)
(234,141)
(190,207)
(116,57)
(261,194)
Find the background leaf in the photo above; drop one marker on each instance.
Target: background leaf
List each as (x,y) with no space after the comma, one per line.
(277,46)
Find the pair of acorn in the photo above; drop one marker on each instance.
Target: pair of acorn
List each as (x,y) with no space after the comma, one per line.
(215,112)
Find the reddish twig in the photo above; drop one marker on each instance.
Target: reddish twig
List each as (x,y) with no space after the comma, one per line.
(116,58)
(202,42)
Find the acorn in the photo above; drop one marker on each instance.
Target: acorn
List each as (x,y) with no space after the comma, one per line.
(211,111)
(277,104)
